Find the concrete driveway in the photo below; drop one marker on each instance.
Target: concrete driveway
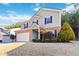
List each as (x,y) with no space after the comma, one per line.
(6,47)
(40,49)
(46,49)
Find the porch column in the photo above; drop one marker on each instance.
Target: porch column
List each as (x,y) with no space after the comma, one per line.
(38,33)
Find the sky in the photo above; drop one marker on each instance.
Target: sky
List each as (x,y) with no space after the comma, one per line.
(11,13)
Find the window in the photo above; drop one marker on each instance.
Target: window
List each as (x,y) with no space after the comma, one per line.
(26,25)
(48,19)
(35,21)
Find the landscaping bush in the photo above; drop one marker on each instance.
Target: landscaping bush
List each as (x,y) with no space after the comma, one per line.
(66,33)
(36,40)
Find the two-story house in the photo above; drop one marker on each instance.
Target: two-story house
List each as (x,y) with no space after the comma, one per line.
(43,21)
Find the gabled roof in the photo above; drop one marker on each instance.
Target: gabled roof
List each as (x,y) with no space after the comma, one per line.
(3,33)
(26,21)
(36,26)
(53,9)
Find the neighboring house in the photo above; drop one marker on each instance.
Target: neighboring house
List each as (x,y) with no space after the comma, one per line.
(43,21)
(4,36)
(4,30)
(0,37)
(1,29)
(12,31)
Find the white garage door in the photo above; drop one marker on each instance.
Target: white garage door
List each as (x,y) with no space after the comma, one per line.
(23,36)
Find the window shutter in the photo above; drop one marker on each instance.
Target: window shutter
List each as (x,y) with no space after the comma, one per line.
(37,21)
(51,18)
(24,25)
(45,20)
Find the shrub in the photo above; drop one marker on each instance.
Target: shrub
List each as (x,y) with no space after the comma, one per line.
(66,33)
(36,40)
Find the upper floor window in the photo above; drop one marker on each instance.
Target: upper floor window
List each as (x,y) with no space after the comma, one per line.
(35,21)
(26,25)
(48,19)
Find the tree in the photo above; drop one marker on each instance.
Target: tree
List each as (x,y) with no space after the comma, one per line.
(66,33)
(65,17)
(73,19)
(17,25)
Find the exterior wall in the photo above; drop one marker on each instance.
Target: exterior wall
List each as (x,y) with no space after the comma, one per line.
(22,26)
(1,36)
(56,19)
(12,31)
(29,25)
(40,16)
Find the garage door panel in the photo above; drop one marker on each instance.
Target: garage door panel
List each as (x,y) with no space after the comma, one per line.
(23,36)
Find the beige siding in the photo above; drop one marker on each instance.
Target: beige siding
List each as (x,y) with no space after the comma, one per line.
(41,14)
(56,20)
